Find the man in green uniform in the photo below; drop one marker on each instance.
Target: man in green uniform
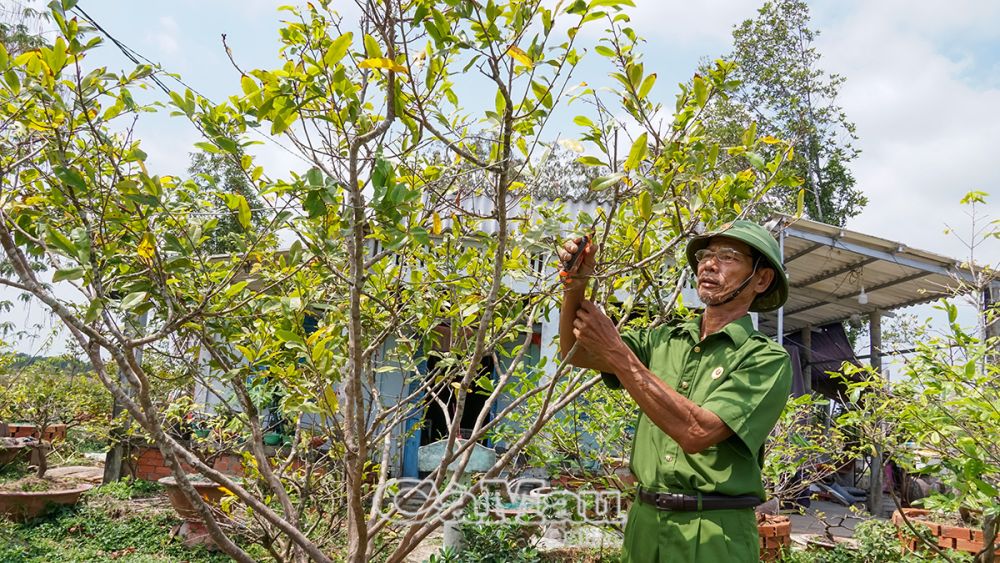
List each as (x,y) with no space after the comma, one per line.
(709,390)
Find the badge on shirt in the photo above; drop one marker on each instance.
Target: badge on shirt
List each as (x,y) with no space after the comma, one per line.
(717,372)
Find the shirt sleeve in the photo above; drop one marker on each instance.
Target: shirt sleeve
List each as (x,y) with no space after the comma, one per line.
(752,397)
(639,342)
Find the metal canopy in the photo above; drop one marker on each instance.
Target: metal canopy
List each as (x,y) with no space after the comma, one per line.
(828,266)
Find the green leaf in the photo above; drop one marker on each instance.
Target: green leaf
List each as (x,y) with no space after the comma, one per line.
(590,161)
(249,85)
(338,48)
(638,152)
(227,145)
(287,336)
(700,91)
(605,182)
(71,177)
(604,51)
(13,81)
(67,274)
(134,299)
(645,205)
(61,242)
(647,85)
(756,160)
(750,135)
(93,311)
(4,57)
(372,48)
(234,289)
(239,204)
(583,121)
(207,147)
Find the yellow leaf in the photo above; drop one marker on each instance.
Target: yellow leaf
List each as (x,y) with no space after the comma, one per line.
(147,247)
(520,56)
(387,64)
(770,140)
(436,229)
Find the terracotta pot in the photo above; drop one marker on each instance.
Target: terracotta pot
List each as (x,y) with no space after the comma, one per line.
(775,536)
(211,492)
(948,536)
(20,505)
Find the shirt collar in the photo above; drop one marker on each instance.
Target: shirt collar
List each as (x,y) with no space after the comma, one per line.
(738,331)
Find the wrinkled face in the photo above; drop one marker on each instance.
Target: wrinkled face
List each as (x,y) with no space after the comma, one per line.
(722,271)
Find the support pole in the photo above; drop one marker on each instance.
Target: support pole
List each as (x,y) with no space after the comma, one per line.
(875,349)
(805,357)
(781,310)
(991,327)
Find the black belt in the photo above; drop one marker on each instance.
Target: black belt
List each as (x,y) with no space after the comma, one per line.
(690,503)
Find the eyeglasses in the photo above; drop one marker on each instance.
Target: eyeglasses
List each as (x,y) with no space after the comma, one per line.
(724,255)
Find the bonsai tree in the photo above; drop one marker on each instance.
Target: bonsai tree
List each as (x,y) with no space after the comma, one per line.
(43,396)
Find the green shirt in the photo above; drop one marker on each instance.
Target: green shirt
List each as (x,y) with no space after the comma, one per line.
(739,374)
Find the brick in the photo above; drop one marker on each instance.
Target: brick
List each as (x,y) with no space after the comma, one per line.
(946,543)
(956,532)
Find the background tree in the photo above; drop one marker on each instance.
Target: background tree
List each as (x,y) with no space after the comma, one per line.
(44,393)
(220,177)
(783,90)
(21,27)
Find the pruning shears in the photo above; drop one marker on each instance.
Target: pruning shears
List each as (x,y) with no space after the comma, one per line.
(569,267)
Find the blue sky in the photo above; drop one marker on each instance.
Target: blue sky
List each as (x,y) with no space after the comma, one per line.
(923,87)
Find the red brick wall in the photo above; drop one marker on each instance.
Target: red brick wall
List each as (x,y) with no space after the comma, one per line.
(52,433)
(149,464)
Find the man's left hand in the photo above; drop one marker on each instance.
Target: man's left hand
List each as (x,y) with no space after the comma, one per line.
(596,333)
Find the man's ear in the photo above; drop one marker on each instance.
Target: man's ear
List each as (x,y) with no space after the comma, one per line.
(763,280)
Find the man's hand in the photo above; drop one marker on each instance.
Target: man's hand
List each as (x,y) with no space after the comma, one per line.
(598,335)
(583,267)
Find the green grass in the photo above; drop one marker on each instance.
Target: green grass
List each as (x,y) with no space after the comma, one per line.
(101,528)
(14,471)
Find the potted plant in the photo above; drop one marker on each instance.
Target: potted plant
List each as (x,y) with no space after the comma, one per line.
(946,532)
(946,406)
(193,528)
(43,396)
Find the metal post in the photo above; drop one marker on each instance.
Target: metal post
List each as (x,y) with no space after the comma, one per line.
(805,355)
(875,484)
(991,299)
(781,310)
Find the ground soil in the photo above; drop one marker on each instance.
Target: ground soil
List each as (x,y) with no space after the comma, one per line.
(32,483)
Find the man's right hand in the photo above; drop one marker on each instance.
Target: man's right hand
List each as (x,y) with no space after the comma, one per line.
(583,268)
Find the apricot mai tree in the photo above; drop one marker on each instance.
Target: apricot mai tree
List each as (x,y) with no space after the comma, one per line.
(415,241)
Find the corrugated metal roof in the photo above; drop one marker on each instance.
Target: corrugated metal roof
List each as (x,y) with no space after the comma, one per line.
(828,266)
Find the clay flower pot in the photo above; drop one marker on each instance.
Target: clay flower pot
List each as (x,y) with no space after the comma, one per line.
(25,505)
(775,533)
(193,530)
(948,536)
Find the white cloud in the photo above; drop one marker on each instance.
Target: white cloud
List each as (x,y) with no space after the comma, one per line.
(679,21)
(165,37)
(926,130)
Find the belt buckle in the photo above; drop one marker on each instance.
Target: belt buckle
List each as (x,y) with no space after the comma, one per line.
(669,501)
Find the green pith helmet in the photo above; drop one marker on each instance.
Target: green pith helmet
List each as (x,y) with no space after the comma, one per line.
(762,241)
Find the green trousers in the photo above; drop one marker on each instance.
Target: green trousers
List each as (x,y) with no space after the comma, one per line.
(709,536)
